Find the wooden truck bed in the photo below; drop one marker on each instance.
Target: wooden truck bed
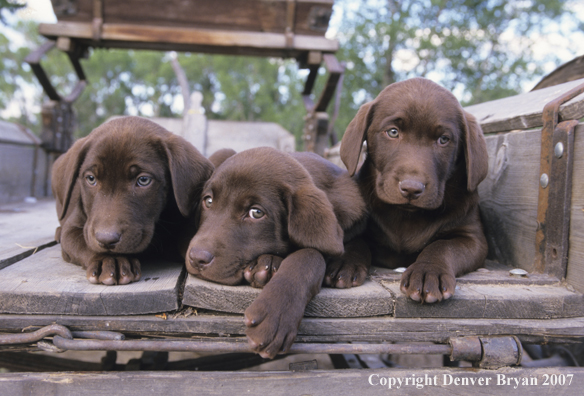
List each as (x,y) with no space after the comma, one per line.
(171,310)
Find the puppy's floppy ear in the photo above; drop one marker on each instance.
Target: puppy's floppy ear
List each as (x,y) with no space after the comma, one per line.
(476,155)
(219,156)
(312,222)
(189,170)
(354,137)
(65,172)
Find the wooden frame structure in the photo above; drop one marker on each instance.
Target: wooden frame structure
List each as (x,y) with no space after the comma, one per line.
(267,28)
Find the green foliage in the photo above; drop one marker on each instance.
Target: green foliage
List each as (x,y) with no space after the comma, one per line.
(8,6)
(482,50)
(14,73)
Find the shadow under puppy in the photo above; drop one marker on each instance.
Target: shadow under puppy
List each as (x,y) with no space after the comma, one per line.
(425,159)
(268,217)
(124,190)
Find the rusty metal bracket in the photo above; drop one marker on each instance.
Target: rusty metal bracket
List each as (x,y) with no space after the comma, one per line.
(316,127)
(555,190)
(34,60)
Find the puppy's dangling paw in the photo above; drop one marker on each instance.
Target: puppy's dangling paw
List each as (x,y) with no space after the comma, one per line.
(271,325)
(259,272)
(427,283)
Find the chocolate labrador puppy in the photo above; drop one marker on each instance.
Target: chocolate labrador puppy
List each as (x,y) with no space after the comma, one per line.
(271,216)
(125,189)
(426,157)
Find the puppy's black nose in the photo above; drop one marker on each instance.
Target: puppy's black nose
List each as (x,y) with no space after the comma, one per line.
(411,189)
(200,257)
(107,239)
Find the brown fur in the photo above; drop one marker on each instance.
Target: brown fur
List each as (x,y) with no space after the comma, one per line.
(307,205)
(426,157)
(107,218)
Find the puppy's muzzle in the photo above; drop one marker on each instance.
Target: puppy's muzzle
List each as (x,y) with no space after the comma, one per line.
(411,189)
(200,258)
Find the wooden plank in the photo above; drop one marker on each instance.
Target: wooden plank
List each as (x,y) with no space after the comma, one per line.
(443,381)
(26,228)
(524,111)
(575,275)
(370,329)
(251,15)
(182,39)
(492,273)
(494,301)
(370,299)
(572,70)
(45,284)
(509,197)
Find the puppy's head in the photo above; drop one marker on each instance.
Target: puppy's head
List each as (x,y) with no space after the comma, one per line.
(125,172)
(259,201)
(419,139)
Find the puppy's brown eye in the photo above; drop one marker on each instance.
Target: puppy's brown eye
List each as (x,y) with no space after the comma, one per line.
(91,180)
(392,133)
(256,213)
(443,140)
(208,201)
(143,181)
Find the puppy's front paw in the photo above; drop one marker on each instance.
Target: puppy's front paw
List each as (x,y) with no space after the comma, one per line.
(258,273)
(272,323)
(342,273)
(428,282)
(113,270)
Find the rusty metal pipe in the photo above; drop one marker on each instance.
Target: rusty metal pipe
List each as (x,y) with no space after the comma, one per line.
(230,347)
(34,336)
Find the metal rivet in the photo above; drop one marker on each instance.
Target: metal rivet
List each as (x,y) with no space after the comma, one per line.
(544,180)
(559,150)
(518,272)
(400,269)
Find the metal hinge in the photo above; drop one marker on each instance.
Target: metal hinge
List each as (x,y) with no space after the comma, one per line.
(555,190)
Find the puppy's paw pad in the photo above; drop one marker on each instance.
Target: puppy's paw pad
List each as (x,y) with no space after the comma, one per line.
(342,274)
(427,283)
(110,270)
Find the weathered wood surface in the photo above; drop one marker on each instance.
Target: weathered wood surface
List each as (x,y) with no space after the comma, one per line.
(443,381)
(189,39)
(250,15)
(575,275)
(509,197)
(45,284)
(493,301)
(371,299)
(492,273)
(524,111)
(371,329)
(26,228)
(569,71)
